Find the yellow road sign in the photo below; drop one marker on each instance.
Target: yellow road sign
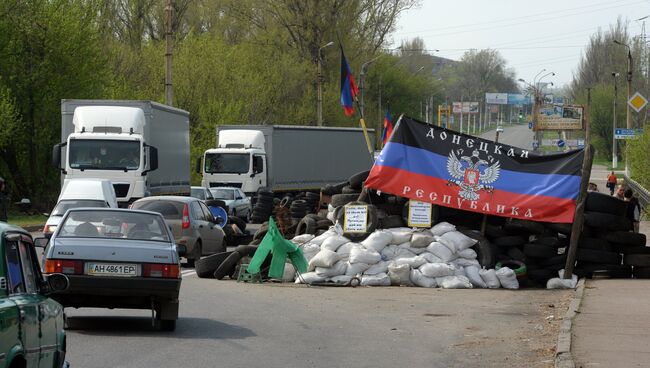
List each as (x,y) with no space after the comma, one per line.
(637,102)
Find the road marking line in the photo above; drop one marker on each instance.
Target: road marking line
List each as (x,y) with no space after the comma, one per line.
(188,273)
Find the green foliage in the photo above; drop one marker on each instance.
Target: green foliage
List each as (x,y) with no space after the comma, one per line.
(640,158)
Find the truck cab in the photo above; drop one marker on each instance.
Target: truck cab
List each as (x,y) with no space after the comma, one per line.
(238,161)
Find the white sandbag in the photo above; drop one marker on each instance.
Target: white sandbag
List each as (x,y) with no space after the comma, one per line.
(421,239)
(459,271)
(437,269)
(490,278)
(377,268)
(430,258)
(417,278)
(344,250)
(389,252)
(355,269)
(310,250)
(381,279)
(560,283)
(289,272)
(468,253)
(308,278)
(441,251)
(342,279)
(338,269)
(464,262)
(442,227)
(302,239)
(454,282)
(330,216)
(321,238)
(334,242)
(416,251)
(457,241)
(401,234)
(472,273)
(413,262)
(404,253)
(363,255)
(378,240)
(325,258)
(508,278)
(400,275)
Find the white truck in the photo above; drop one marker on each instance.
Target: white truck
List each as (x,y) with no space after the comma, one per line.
(142,147)
(283,158)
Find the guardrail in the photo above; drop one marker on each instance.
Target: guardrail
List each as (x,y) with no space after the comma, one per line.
(641,192)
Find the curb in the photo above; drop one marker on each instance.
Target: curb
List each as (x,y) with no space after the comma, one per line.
(563,357)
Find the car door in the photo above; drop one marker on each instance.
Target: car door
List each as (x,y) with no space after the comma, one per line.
(22,291)
(242,203)
(215,233)
(202,226)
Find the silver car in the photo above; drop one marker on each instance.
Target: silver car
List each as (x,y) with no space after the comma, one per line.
(116,258)
(238,204)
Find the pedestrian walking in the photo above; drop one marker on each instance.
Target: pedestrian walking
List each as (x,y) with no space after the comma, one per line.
(611,183)
(620,192)
(4,201)
(633,209)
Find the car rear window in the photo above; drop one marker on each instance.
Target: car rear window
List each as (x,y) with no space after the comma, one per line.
(168,209)
(67,204)
(197,193)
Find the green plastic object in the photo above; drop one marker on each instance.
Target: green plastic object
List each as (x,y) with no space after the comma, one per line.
(281,248)
(247,277)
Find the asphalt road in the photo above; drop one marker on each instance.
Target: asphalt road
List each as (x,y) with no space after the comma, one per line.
(514,135)
(230,324)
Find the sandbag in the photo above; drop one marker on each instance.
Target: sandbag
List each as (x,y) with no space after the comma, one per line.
(560,283)
(468,253)
(381,279)
(378,240)
(302,239)
(334,242)
(344,250)
(400,234)
(507,278)
(437,269)
(342,279)
(472,273)
(355,269)
(325,258)
(321,238)
(454,282)
(400,275)
(441,228)
(408,247)
(377,268)
(457,241)
(363,255)
(458,270)
(337,269)
(464,262)
(441,251)
(308,278)
(490,278)
(404,253)
(289,272)
(309,250)
(417,278)
(389,252)
(421,239)
(430,258)
(414,262)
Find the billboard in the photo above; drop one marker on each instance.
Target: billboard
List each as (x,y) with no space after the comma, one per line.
(496,98)
(559,117)
(465,107)
(519,99)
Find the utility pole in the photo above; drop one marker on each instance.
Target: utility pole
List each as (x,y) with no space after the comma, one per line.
(168,53)
(319,108)
(614,148)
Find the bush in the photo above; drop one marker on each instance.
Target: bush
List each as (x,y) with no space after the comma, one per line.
(639,159)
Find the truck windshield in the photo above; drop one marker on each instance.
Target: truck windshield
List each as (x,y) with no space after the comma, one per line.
(97,154)
(227,163)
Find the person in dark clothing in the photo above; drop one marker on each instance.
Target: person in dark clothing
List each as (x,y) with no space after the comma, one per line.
(633,209)
(4,201)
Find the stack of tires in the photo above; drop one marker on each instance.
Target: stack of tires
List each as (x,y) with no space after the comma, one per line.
(299,209)
(605,237)
(313,201)
(313,224)
(263,207)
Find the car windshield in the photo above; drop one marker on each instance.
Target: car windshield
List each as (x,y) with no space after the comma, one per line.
(223,193)
(197,193)
(113,225)
(168,209)
(67,204)
(104,154)
(227,163)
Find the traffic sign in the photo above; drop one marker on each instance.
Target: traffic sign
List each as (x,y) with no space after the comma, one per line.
(560,143)
(530,125)
(621,133)
(637,102)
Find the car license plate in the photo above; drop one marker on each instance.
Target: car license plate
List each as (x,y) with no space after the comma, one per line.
(112,269)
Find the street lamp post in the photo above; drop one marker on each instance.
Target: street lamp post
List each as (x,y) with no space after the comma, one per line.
(628,114)
(614,148)
(540,101)
(320,84)
(362,85)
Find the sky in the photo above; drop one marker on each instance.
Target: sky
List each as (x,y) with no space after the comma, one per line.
(530,35)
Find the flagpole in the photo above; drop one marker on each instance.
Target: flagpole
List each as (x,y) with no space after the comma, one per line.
(362,121)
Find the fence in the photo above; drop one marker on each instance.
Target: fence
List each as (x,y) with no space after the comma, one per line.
(643,193)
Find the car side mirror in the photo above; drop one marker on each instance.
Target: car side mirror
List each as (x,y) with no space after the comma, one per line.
(181,249)
(41,242)
(57,282)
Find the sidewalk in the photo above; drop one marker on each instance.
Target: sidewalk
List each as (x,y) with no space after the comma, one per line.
(612,328)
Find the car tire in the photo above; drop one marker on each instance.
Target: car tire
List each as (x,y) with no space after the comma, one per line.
(641,272)
(607,221)
(539,250)
(510,241)
(485,251)
(595,243)
(603,203)
(598,256)
(168,325)
(339,200)
(196,254)
(627,238)
(523,226)
(356,180)
(206,266)
(227,266)
(371,224)
(637,260)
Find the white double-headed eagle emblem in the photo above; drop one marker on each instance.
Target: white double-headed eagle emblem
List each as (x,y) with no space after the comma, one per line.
(472,174)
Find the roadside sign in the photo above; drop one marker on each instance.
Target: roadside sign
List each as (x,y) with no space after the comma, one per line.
(419,214)
(637,102)
(530,125)
(496,98)
(560,143)
(621,133)
(559,117)
(581,143)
